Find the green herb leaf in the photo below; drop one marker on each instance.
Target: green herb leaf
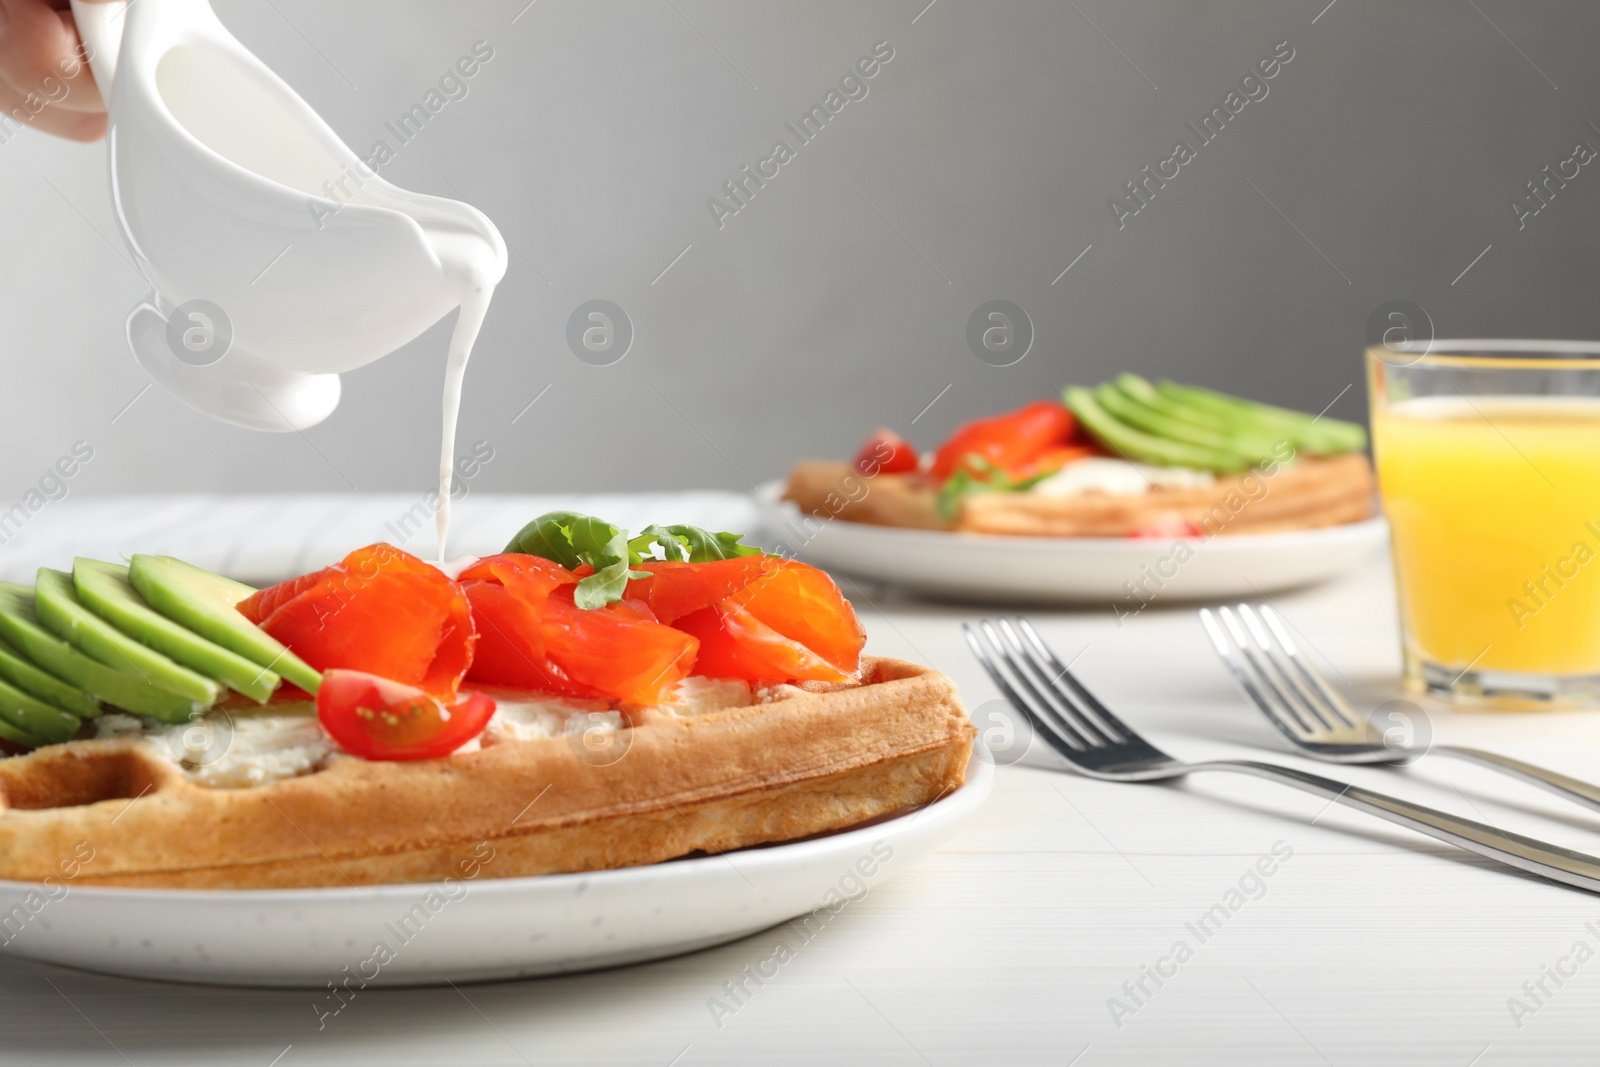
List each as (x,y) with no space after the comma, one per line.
(705,546)
(690,544)
(652,538)
(978,475)
(571,539)
(955,487)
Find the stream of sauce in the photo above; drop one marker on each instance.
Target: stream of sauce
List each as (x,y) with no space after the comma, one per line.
(474,306)
(263,128)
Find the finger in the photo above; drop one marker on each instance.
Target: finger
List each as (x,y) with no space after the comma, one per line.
(19,111)
(40,53)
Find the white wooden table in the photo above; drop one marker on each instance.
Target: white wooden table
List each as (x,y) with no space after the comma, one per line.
(1367,944)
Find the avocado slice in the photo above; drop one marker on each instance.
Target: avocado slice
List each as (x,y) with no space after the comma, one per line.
(1143,447)
(55,601)
(23,675)
(1249,438)
(1315,434)
(1141,417)
(208,604)
(35,717)
(1138,389)
(20,737)
(20,627)
(106,590)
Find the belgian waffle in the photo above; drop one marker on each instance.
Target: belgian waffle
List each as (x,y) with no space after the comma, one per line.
(1309,493)
(813,759)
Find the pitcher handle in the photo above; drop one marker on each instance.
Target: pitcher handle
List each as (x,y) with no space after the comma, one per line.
(100,26)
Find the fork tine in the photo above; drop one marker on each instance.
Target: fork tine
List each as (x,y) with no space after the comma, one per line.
(1250,680)
(1059,670)
(1292,687)
(1265,683)
(1308,671)
(1071,751)
(1057,711)
(1043,683)
(1240,671)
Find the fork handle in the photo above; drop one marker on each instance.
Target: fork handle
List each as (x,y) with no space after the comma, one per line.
(1571,788)
(1513,849)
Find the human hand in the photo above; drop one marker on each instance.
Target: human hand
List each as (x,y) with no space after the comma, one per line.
(45,81)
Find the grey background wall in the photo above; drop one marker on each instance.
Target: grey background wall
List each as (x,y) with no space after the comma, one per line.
(979,165)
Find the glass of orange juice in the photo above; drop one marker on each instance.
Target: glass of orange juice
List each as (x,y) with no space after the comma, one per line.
(1488,457)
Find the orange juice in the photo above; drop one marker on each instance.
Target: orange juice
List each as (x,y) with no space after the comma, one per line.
(1494,507)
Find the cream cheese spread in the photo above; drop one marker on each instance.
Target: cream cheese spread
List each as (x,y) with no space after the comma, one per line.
(1118,477)
(247,747)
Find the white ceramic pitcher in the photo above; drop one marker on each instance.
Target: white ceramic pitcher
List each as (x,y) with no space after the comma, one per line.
(276,258)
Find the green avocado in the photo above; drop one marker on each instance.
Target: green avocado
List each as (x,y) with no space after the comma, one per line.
(1184,422)
(1141,447)
(105,589)
(1141,416)
(1313,433)
(35,717)
(1138,389)
(20,737)
(208,604)
(23,675)
(55,601)
(19,627)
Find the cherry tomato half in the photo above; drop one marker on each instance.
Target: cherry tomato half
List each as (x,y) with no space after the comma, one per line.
(378,719)
(1006,441)
(886,452)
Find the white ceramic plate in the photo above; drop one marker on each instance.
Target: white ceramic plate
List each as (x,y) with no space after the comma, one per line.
(1056,570)
(472,931)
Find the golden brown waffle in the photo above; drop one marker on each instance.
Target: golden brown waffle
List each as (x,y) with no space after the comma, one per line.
(816,759)
(1306,494)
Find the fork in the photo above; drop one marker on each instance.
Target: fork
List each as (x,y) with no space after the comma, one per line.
(1297,699)
(1100,745)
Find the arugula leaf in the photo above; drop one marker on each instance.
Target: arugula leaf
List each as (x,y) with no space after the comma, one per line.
(702,546)
(652,537)
(978,475)
(572,539)
(705,546)
(689,544)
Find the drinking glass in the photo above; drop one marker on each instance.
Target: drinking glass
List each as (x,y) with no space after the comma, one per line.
(1488,457)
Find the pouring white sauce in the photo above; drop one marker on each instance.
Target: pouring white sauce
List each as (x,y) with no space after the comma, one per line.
(217,94)
(474,306)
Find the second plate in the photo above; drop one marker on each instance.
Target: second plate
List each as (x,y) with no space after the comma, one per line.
(1123,572)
